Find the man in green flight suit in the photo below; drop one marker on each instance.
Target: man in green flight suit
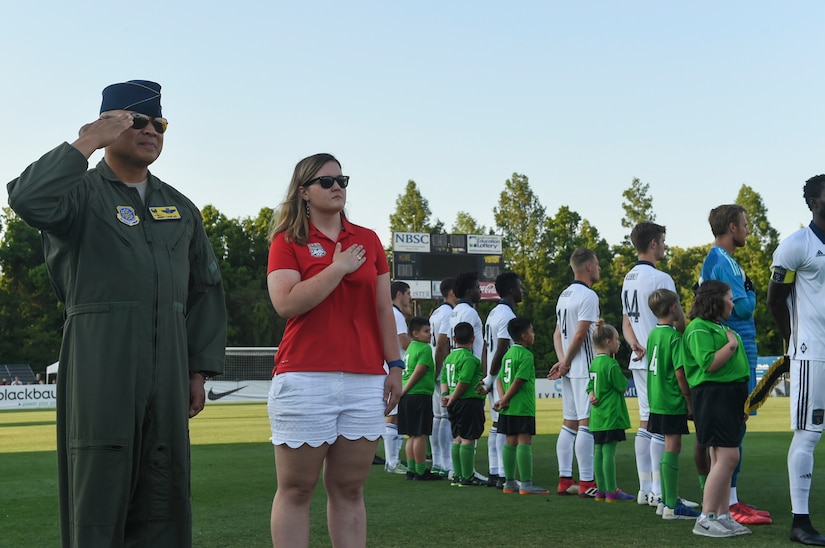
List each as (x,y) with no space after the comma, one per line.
(145,324)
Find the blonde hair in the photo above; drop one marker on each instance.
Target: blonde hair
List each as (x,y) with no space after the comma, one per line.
(292,218)
(603,333)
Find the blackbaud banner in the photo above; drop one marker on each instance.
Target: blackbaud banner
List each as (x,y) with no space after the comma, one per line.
(28,395)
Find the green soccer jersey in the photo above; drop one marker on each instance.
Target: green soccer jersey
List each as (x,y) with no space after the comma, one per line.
(461,365)
(608,383)
(702,339)
(665,355)
(518,363)
(419,353)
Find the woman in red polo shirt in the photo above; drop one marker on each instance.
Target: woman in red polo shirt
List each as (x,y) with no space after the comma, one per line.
(330,390)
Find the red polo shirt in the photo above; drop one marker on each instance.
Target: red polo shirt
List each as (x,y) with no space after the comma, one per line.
(342,333)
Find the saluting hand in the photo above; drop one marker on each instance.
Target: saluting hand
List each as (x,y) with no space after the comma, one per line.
(102,132)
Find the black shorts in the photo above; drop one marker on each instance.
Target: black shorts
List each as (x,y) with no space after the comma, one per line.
(467,418)
(719,413)
(667,425)
(516,424)
(415,415)
(607,436)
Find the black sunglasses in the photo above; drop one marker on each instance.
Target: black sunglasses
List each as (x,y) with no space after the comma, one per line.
(140,121)
(328,180)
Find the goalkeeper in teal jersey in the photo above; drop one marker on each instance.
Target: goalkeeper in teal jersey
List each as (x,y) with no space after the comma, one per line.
(608,417)
(415,409)
(460,382)
(517,408)
(669,396)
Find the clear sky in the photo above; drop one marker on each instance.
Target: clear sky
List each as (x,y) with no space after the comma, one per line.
(694,98)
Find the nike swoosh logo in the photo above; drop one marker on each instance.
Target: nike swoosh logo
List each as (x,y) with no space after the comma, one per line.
(218,395)
(705,527)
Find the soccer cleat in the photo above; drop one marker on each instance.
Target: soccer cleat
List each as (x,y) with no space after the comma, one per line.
(410,475)
(756,510)
(709,526)
(510,486)
(455,482)
(641,498)
(744,514)
(617,496)
(736,528)
(654,500)
(473,482)
(426,476)
(492,479)
(399,469)
(689,503)
(567,487)
(587,489)
(809,536)
(600,496)
(528,488)
(500,483)
(660,508)
(680,512)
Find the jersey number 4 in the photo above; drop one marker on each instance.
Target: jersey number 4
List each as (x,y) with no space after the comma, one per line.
(632,307)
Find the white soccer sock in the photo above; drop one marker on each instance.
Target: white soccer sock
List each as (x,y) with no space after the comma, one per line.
(501,440)
(435,443)
(801,468)
(492,451)
(564,451)
(584,453)
(447,443)
(643,466)
(657,449)
(734,496)
(391,444)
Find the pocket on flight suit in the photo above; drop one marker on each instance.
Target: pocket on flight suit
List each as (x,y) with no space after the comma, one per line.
(100,482)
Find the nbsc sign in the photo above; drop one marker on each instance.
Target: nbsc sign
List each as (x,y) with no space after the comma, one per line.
(411,241)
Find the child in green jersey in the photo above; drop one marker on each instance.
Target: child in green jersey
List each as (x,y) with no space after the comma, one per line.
(608,417)
(415,409)
(517,408)
(669,396)
(717,370)
(461,376)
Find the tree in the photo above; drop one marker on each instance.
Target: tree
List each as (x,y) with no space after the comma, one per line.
(637,205)
(412,212)
(521,220)
(466,224)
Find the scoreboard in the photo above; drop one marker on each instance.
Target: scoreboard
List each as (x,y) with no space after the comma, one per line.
(423,260)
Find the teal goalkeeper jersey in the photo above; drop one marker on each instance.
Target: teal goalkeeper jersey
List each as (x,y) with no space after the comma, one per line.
(702,339)
(461,365)
(665,355)
(609,384)
(419,353)
(518,363)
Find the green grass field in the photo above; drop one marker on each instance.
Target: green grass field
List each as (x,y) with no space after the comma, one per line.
(233,481)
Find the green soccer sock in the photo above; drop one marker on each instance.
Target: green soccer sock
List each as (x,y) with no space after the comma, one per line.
(456,456)
(670,478)
(609,466)
(468,460)
(421,468)
(598,467)
(509,458)
(524,456)
(702,480)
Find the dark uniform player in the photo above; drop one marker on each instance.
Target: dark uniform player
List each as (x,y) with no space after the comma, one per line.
(145,324)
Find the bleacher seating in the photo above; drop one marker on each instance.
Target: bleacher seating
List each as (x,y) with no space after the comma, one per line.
(24,372)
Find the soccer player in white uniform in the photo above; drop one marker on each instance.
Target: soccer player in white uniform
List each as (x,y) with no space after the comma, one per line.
(637,323)
(401,307)
(441,439)
(577,311)
(508,286)
(796,294)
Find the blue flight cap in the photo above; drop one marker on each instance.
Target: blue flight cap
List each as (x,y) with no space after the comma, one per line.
(140,96)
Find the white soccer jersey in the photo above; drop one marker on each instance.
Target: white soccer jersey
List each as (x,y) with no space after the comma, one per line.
(642,280)
(802,256)
(495,328)
(463,312)
(438,319)
(577,303)
(400,326)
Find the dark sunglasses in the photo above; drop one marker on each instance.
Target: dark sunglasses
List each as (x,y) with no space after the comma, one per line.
(328,180)
(140,121)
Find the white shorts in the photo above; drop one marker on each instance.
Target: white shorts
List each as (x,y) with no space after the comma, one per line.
(640,380)
(439,412)
(317,408)
(575,402)
(807,395)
